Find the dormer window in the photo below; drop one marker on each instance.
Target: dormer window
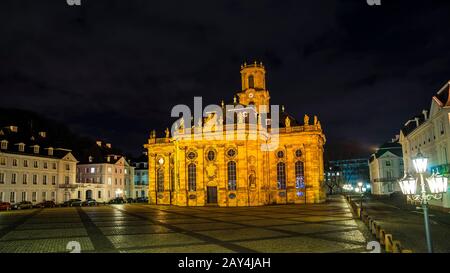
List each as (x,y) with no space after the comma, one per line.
(21,147)
(4,145)
(36,149)
(50,151)
(91,159)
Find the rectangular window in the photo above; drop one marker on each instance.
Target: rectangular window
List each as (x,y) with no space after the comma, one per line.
(67,167)
(92,170)
(24,196)
(13,178)
(2,161)
(14,163)
(109,181)
(53,196)
(12,197)
(66,180)
(34,196)
(2,178)
(45,165)
(53,180)
(44,196)
(54,166)
(36,165)
(44,180)
(35,179)
(25,178)
(25,163)
(99,194)
(388,163)
(1,196)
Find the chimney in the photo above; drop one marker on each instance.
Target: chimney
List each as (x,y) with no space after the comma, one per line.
(108,145)
(99,143)
(417,122)
(425,114)
(108,159)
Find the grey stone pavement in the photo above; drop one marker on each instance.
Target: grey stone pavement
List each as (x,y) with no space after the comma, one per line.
(406,223)
(328,227)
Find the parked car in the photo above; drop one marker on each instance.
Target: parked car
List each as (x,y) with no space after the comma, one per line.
(45,204)
(130,200)
(72,203)
(23,205)
(5,206)
(117,200)
(89,202)
(142,200)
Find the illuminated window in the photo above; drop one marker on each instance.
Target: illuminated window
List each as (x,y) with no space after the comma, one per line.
(299,175)
(21,147)
(4,144)
(36,149)
(160,179)
(92,170)
(281,176)
(13,178)
(192,177)
(2,161)
(232,176)
(25,179)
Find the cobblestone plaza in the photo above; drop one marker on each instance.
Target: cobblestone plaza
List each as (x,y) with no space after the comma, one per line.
(327,227)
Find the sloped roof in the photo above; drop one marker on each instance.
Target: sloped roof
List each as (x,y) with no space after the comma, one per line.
(392,147)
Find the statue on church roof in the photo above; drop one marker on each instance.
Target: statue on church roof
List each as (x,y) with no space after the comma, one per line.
(287,122)
(306,119)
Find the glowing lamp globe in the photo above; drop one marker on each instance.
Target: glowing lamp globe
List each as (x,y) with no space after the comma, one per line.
(420,163)
(437,183)
(408,185)
(360,184)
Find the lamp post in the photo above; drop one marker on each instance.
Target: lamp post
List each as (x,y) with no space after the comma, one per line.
(360,186)
(437,185)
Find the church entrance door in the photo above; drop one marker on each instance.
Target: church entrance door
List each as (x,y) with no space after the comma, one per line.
(211,197)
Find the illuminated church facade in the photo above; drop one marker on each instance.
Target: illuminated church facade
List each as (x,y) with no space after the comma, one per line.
(225,159)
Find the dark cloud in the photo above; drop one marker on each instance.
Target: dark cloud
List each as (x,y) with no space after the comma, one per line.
(113,69)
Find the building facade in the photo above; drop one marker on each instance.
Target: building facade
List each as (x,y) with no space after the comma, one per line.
(32,170)
(429,133)
(104,176)
(221,162)
(386,168)
(352,170)
(141,177)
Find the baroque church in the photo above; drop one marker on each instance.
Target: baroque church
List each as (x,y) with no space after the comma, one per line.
(200,164)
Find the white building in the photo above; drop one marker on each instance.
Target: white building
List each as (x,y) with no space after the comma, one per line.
(386,168)
(430,133)
(141,177)
(32,170)
(104,176)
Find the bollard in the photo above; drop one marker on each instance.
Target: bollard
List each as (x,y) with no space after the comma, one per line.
(388,243)
(382,237)
(397,247)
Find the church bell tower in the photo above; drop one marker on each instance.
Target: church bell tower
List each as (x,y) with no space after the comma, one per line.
(254,92)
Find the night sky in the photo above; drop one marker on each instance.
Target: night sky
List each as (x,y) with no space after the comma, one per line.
(114,69)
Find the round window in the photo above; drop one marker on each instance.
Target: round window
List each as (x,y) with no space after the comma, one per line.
(211,155)
(280,154)
(231,152)
(191,155)
(298,153)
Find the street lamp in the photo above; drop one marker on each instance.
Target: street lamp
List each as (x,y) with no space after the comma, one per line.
(360,187)
(437,185)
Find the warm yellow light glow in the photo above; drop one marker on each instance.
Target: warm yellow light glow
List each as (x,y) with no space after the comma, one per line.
(408,185)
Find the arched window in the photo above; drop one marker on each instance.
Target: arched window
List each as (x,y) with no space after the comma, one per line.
(232,176)
(251,82)
(192,177)
(160,179)
(281,176)
(299,175)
